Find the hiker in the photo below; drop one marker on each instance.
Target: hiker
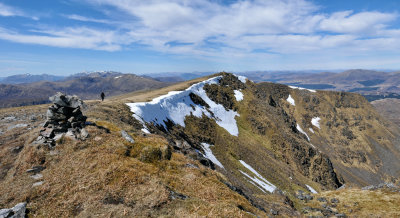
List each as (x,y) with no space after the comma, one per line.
(102,95)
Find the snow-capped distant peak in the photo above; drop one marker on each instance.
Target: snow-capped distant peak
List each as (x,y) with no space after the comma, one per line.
(176,105)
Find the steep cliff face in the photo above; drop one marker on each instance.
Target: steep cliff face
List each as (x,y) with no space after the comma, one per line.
(267,137)
(362,145)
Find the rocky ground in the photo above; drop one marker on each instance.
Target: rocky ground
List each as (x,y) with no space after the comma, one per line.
(15,122)
(371,201)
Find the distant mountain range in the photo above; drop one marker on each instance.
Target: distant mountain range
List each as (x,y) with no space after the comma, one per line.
(372,84)
(28,89)
(85,85)
(29,78)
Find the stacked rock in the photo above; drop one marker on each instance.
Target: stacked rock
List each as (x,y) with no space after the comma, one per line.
(64,118)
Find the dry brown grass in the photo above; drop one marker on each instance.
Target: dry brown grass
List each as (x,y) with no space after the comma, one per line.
(148,95)
(363,203)
(96,178)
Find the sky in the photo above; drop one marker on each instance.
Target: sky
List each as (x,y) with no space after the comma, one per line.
(64,37)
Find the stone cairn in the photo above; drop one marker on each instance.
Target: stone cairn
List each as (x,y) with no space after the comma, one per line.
(64,119)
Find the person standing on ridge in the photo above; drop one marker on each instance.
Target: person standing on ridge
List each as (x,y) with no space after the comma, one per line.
(102,95)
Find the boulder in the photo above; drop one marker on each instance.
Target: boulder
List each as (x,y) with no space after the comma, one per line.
(334,201)
(47,133)
(36,169)
(59,99)
(18,211)
(84,134)
(127,137)
(74,101)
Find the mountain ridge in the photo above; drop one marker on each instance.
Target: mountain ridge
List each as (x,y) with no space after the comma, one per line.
(87,86)
(291,142)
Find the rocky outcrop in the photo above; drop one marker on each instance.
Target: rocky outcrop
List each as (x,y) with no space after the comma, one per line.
(127,137)
(18,211)
(64,119)
(384,185)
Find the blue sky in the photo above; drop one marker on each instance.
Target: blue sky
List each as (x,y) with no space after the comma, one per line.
(135,36)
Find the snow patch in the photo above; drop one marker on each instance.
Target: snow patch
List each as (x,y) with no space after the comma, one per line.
(291,100)
(311,189)
(315,122)
(37,184)
(258,179)
(209,155)
(302,131)
(238,95)
(145,130)
(295,87)
(176,105)
(311,130)
(241,78)
(117,77)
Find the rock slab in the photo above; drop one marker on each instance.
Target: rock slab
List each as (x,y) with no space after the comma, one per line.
(18,211)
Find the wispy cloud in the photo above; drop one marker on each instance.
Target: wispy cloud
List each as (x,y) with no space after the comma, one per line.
(283,26)
(88,19)
(81,37)
(205,28)
(8,11)
(362,23)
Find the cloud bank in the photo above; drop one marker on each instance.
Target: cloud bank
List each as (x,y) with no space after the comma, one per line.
(208,29)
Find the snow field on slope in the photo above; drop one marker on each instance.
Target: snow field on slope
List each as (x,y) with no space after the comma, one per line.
(238,95)
(258,179)
(209,155)
(302,131)
(311,189)
(242,78)
(315,122)
(291,100)
(176,105)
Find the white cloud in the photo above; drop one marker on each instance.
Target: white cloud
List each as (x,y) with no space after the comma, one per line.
(8,11)
(364,22)
(87,19)
(246,29)
(283,26)
(69,38)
